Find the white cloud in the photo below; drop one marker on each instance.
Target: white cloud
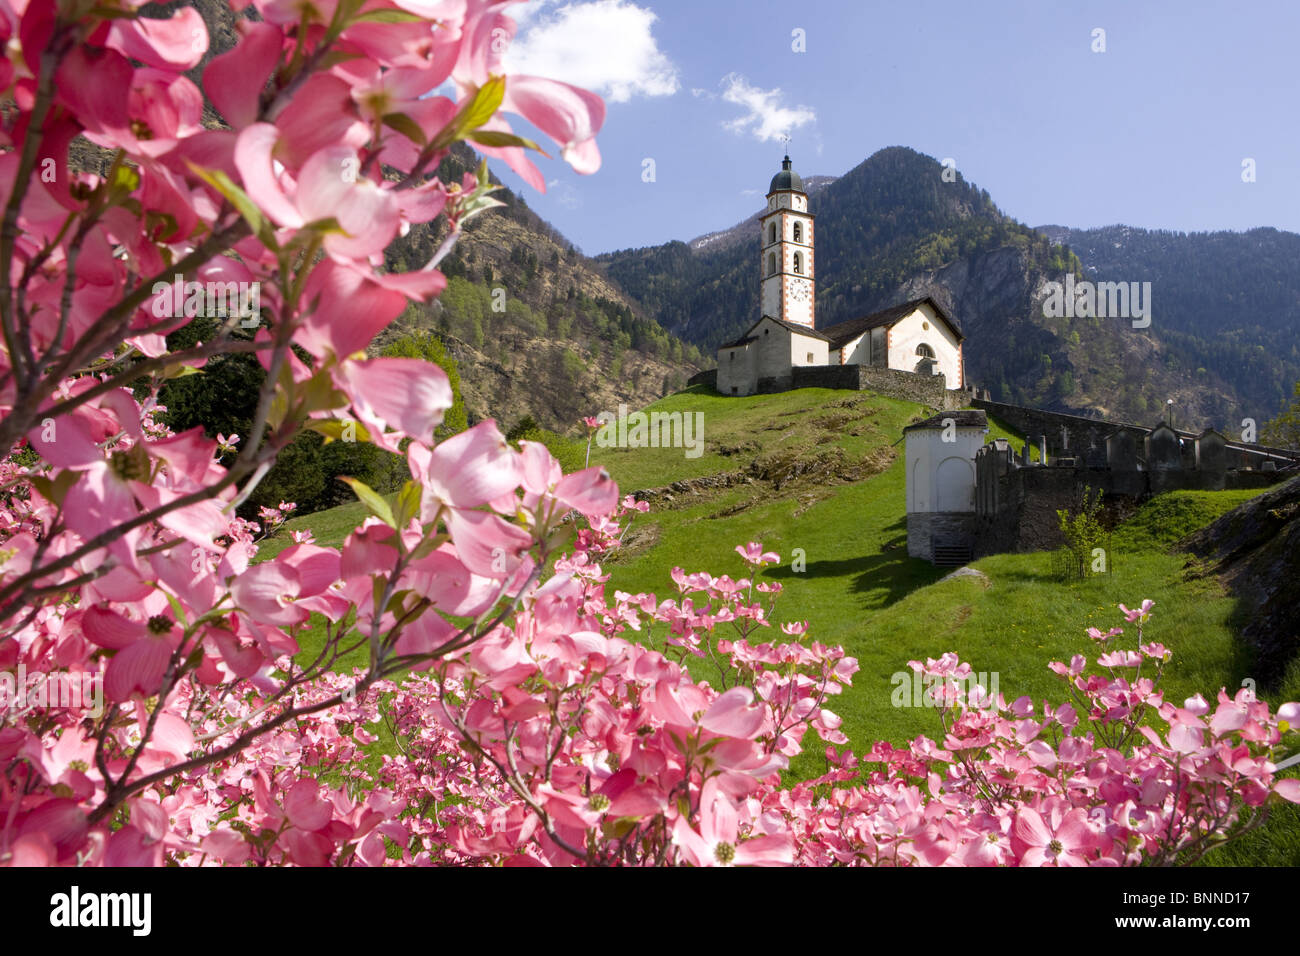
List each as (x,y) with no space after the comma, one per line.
(605,45)
(523,13)
(563,194)
(765,116)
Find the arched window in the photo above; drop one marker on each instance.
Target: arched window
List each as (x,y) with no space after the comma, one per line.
(771,233)
(771,263)
(798,232)
(925,351)
(798,263)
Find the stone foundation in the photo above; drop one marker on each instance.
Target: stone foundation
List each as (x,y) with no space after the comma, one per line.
(926,529)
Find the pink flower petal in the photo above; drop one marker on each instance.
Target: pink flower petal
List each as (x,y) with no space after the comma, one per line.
(253,159)
(303,806)
(176,43)
(234,80)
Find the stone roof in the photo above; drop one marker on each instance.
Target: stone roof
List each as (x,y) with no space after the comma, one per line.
(966,418)
(842,333)
(787,178)
(789,326)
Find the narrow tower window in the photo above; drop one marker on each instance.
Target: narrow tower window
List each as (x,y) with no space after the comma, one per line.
(771,233)
(798,263)
(798,232)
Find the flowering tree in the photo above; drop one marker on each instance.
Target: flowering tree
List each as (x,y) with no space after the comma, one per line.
(536,719)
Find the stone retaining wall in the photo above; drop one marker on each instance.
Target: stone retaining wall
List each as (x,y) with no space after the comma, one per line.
(928,390)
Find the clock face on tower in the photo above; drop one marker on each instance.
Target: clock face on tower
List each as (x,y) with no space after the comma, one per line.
(799,291)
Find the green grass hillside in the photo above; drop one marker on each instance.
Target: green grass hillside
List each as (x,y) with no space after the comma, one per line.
(818,475)
(843,513)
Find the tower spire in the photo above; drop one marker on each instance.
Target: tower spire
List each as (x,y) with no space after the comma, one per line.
(786,246)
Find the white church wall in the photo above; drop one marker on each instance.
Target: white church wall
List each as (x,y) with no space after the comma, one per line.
(788,200)
(954,485)
(857,352)
(736,370)
(772,294)
(912,331)
(806,350)
(941,474)
(773,348)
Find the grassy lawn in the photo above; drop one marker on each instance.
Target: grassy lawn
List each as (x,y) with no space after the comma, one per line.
(827,488)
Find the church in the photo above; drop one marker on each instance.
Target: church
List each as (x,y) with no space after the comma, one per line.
(917,336)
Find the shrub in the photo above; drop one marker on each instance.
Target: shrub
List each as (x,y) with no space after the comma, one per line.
(1083,533)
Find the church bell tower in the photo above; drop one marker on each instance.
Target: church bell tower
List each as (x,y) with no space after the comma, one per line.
(787,250)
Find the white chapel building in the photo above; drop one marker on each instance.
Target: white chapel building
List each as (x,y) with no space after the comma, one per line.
(917,336)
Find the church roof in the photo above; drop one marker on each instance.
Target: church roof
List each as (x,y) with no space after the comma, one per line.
(842,333)
(967,418)
(743,340)
(789,326)
(787,178)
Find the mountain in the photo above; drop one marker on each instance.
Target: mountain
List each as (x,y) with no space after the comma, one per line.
(893,229)
(1226,302)
(744,232)
(536,330)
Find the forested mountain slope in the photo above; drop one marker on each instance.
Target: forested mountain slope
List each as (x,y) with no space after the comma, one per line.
(893,228)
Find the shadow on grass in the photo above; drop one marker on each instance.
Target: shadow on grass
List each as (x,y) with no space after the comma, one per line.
(1247,658)
(885,578)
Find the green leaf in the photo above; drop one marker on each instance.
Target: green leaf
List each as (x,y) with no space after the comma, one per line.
(54,491)
(159,222)
(388,16)
(194,660)
(428,546)
(490,137)
(333,58)
(178,609)
(396,601)
(312,231)
(408,503)
(223,184)
(180,371)
(407,127)
(486,101)
(477,205)
(318,394)
(371,499)
(278,410)
(343,14)
(324,227)
(477,111)
(111,13)
(335,429)
(242,202)
(617,829)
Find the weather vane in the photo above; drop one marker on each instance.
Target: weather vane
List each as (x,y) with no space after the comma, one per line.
(785,138)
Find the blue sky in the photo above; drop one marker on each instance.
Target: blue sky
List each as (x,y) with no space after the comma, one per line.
(1151,132)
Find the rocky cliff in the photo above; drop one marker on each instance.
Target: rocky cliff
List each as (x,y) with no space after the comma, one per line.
(1255,550)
